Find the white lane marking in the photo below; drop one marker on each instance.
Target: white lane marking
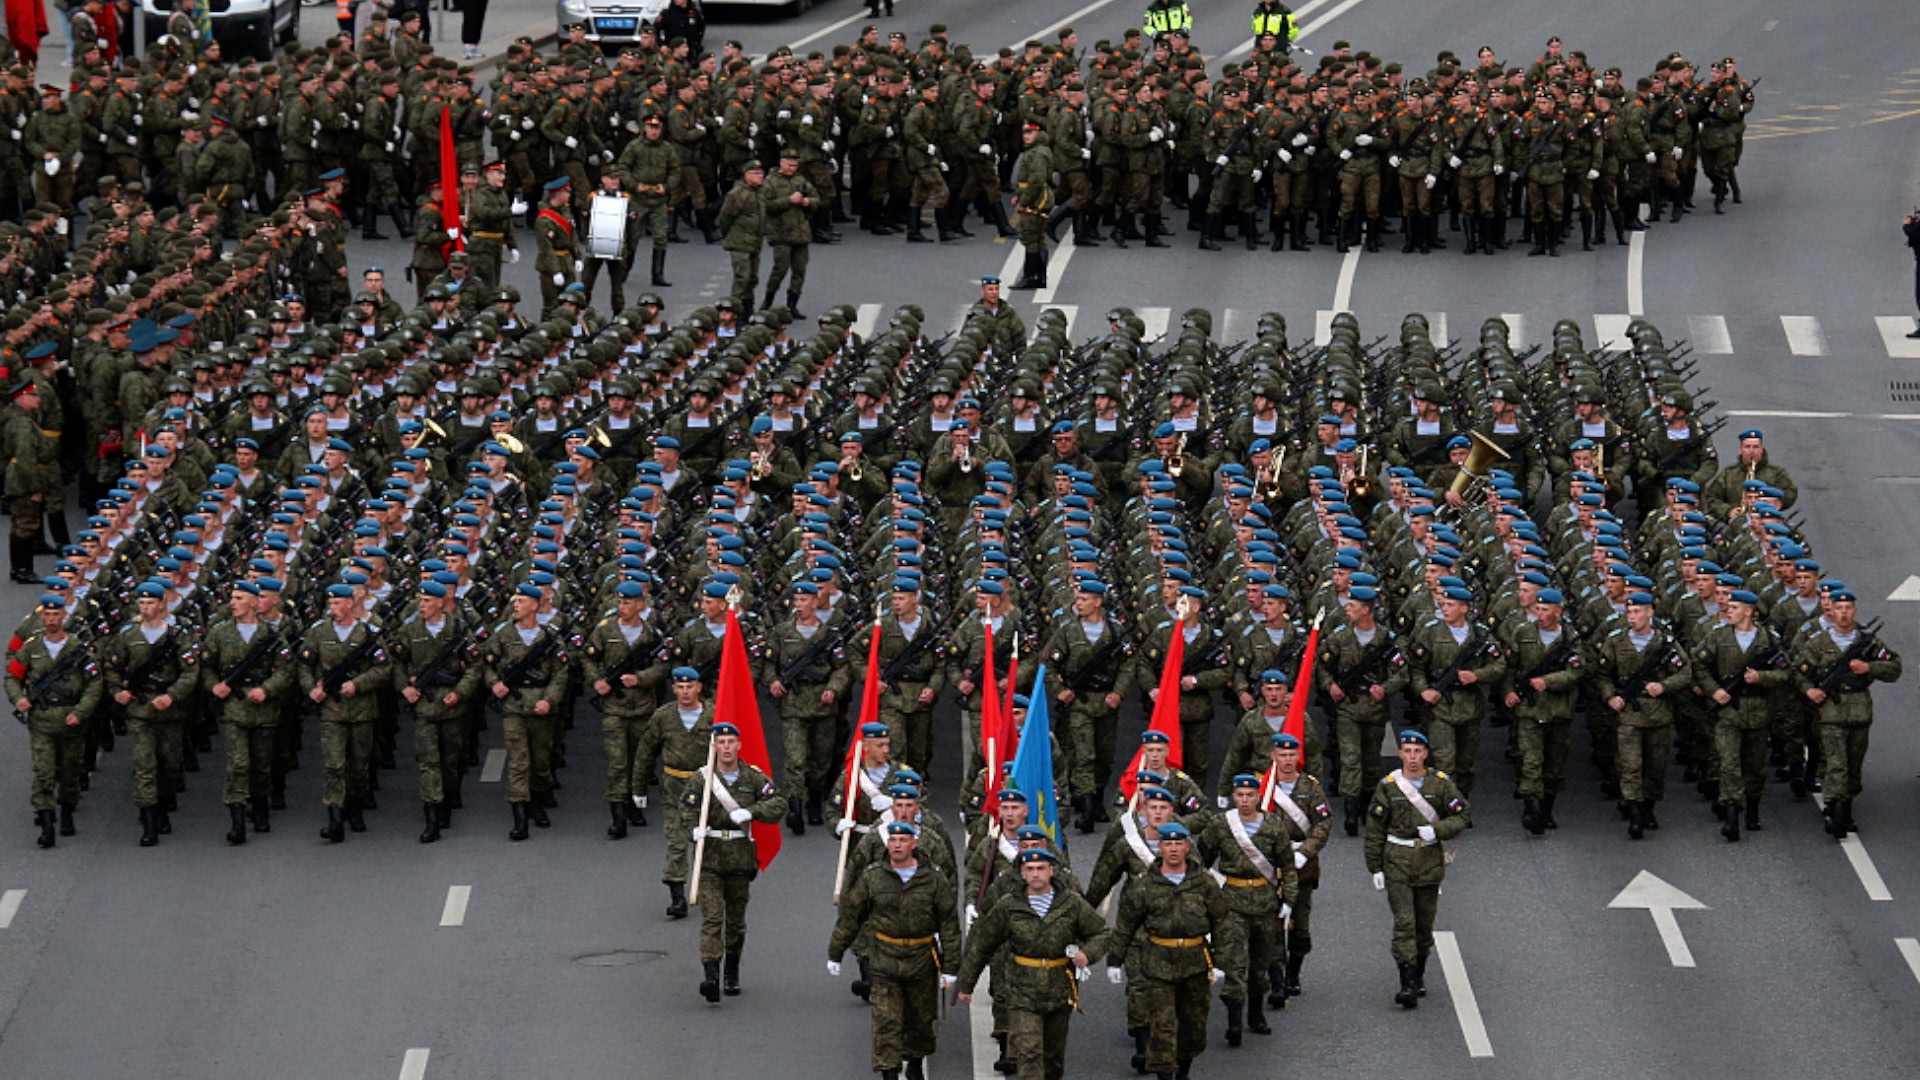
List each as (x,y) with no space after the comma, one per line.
(1636,273)
(980,1031)
(1803,335)
(864,318)
(1910,952)
(1305,10)
(1669,927)
(1465,1006)
(960,317)
(1796,414)
(825,30)
(1323,326)
(496,765)
(1010,272)
(455,913)
(1907,590)
(1156,320)
(10,906)
(1610,331)
(1056,269)
(1343,291)
(1041,34)
(1709,334)
(1893,334)
(414,1065)
(1437,329)
(1863,867)
(1517,327)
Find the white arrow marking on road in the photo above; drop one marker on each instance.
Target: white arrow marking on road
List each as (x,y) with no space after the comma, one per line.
(1909,951)
(1056,269)
(1661,899)
(1908,590)
(1863,867)
(455,913)
(1465,1005)
(10,906)
(496,765)
(414,1065)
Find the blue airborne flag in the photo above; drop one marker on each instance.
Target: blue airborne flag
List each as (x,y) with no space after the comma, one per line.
(1033,762)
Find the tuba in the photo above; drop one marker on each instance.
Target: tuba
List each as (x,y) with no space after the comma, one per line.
(1473,475)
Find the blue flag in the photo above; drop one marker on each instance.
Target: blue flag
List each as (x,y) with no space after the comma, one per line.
(1033,762)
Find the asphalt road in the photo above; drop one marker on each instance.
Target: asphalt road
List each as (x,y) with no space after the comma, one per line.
(296,959)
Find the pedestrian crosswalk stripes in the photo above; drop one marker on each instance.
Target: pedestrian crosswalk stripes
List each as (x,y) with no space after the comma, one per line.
(1709,334)
(1803,335)
(1893,334)
(1610,331)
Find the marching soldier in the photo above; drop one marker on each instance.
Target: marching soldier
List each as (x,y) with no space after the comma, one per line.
(675,737)
(1737,664)
(1838,661)
(1544,668)
(1638,667)
(621,663)
(151,669)
(653,168)
(910,675)
(807,675)
(1303,810)
(343,663)
(1089,666)
(1159,948)
(558,260)
(247,667)
(33,486)
(1249,846)
(437,670)
(620,264)
(54,698)
(1359,667)
(1414,811)
(1453,660)
(743,222)
(526,671)
(737,794)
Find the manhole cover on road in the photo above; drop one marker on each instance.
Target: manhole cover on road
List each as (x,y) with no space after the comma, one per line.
(620,957)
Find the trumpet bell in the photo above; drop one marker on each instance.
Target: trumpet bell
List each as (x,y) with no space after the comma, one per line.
(1482,456)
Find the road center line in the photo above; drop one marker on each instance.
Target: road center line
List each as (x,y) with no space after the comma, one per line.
(980,1031)
(825,30)
(10,906)
(414,1065)
(455,913)
(1461,991)
(1343,291)
(1636,273)
(496,765)
(1863,867)
(1041,34)
(1910,951)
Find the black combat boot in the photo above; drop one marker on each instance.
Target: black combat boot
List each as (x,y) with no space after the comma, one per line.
(355,815)
(1733,185)
(237,832)
(1586,233)
(1420,974)
(1030,271)
(1083,813)
(1340,243)
(1410,226)
(676,899)
(916,1070)
(814,816)
(1250,230)
(1122,225)
(1409,996)
(659,269)
(45,819)
(335,830)
(1209,226)
(402,219)
(259,816)
(1646,816)
(1293,975)
(730,984)
(149,826)
(1531,817)
(1546,811)
(1055,217)
(1539,239)
(537,814)
(710,981)
(519,830)
(1729,814)
(1473,238)
(20,558)
(1636,821)
(1257,1016)
(1235,1028)
(1003,1064)
(1600,227)
(1086,229)
(66,821)
(1298,241)
(618,829)
(917,225)
(862,983)
(1280,225)
(1353,813)
(1753,813)
(1139,1049)
(1155,230)
(431,815)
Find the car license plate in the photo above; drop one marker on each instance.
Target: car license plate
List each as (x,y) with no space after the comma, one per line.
(615,24)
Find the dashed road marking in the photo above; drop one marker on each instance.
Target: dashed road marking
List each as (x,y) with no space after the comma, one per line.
(1465,1006)
(495,767)
(1893,334)
(1863,867)
(414,1065)
(1803,335)
(10,906)
(455,913)
(1709,334)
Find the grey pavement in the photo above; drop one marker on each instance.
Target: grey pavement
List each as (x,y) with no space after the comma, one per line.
(289,957)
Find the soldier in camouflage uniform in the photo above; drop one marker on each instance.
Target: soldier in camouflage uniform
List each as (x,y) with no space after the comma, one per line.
(621,662)
(1738,664)
(248,669)
(67,693)
(1636,669)
(438,672)
(1837,664)
(1360,665)
(526,670)
(1089,668)
(1452,661)
(150,669)
(737,794)
(807,675)
(1248,845)
(676,738)
(1545,666)
(32,474)
(1415,810)
(490,231)
(1167,916)
(910,674)
(343,665)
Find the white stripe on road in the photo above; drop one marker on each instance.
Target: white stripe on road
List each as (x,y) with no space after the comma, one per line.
(1893,334)
(1437,329)
(496,765)
(1803,335)
(825,30)
(10,906)
(1323,326)
(1910,952)
(1343,290)
(1678,954)
(1795,414)
(1709,333)
(1863,867)
(1156,320)
(1516,329)
(1041,34)
(455,913)
(1010,272)
(414,1065)
(1636,273)
(864,318)
(1610,331)
(1461,991)
(980,1031)
(1056,269)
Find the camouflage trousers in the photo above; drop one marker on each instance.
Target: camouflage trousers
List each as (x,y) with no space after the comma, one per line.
(1245,948)
(1543,755)
(906,1018)
(440,752)
(1038,1042)
(1743,760)
(1844,749)
(249,762)
(1298,940)
(1175,1015)
(810,744)
(1090,744)
(1644,755)
(530,742)
(620,735)
(26,517)
(1455,746)
(1196,744)
(156,752)
(789,260)
(1413,910)
(723,912)
(913,734)
(1358,732)
(346,749)
(746,277)
(59,763)
(678,826)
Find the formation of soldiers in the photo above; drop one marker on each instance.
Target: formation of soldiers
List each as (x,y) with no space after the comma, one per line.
(361,520)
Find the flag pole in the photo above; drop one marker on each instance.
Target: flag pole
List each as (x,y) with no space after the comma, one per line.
(700,834)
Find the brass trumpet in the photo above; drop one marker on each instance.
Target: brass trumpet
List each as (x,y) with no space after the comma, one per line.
(965,456)
(853,471)
(762,465)
(1363,482)
(1177,461)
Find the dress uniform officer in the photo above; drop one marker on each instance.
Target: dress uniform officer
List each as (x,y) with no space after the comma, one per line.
(1160,942)
(1414,811)
(737,795)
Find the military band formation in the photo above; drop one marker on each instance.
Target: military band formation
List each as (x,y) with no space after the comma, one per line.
(322,517)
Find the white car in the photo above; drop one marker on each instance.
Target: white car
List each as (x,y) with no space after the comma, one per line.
(611,24)
(242,27)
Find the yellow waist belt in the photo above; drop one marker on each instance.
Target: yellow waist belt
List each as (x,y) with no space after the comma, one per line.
(1178,942)
(1040,962)
(1250,882)
(904,942)
(677,774)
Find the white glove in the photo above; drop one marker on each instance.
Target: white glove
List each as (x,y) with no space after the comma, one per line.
(138,120)
(1426,833)
(1679,152)
(826,146)
(836,126)
(572,143)
(1363,140)
(633,126)
(513,257)
(753,128)
(1652,157)
(1346,155)
(807,120)
(1453,161)
(840,827)
(881,803)
(740,816)
(1379,882)
(972,913)
(1430,181)
(1300,139)
(1499,170)
(701,128)
(559,280)
(16,134)
(947,981)
(887,131)
(1593,174)
(1221,801)
(932,150)
(526,124)
(1299,860)
(579,266)
(943,166)
(1286,911)
(1221,161)
(53,166)
(1286,156)
(1214,975)
(1311,149)
(514,135)
(1257,174)
(1393,161)
(833,968)
(1116,976)
(986,150)
(1170,144)
(133,140)
(640,802)
(698,833)
(1155,135)
(1086,153)
(784,113)
(60,226)
(388,146)
(189,115)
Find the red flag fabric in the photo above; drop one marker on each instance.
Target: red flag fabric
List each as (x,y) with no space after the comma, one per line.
(737,702)
(993,729)
(1166,709)
(26,25)
(869,712)
(1296,724)
(450,184)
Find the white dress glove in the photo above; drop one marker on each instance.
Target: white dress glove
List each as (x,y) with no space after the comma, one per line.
(986,150)
(1363,140)
(53,166)
(784,114)
(1346,155)
(640,802)
(1222,802)
(1426,833)
(932,150)
(1286,912)
(826,146)
(526,124)
(1679,152)
(1214,975)
(1499,170)
(947,981)
(1086,153)
(973,913)
(1299,860)
(1379,882)
(807,120)
(1593,174)
(1430,181)
(1257,174)
(1221,161)
(1155,135)
(741,816)
(833,968)
(1286,155)
(887,131)
(840,827)
(881,803)
(572,143)
(1652,157)
(559,279)
(1453,161)
(1300,139)
(1393,161)
(1116,976)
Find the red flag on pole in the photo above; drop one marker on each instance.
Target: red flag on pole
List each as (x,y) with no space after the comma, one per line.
(1296,724)
(26,25)
(737,703)
(450,185)
(869,712)
(995,732)
(1166,708)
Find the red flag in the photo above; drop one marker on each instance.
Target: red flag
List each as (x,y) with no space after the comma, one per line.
(994,729)
(869,712)
(450,185)
(1296,724)
(26,25)
(1166,708)
(737,703)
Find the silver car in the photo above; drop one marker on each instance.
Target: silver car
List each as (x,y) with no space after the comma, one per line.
(611,24)
(242,27)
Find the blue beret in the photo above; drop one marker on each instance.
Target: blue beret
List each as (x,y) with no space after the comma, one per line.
(1173,830)
(686,674)
(1284,741)
(1363,594)
(724,728)
(875,730)
(714,589)
(1038,855)
(1744,596)
(340,591)
(1550,596)
(1640,598)
(1410,735)
(1245,780)
(1014,795)
(1273,677)
(902,828)
(1150,737)
(1457,593)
